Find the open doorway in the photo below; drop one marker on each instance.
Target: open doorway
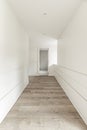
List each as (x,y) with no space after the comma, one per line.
(43,61)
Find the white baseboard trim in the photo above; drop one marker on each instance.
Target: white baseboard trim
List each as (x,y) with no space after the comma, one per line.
(78,99)
(10,99)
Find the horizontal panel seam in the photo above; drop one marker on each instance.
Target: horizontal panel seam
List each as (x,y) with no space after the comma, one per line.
(10,91)
(80,113)
(76,81)
(73,70)
(72,87)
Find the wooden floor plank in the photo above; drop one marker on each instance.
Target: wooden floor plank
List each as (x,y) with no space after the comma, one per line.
(43,106)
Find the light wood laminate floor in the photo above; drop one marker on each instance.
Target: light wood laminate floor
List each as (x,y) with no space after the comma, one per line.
(43,106)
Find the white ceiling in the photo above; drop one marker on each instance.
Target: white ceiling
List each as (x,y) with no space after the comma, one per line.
(59,13)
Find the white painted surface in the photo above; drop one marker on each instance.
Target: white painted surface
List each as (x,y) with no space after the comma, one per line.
(59,13)
(13,58)
(38,41)
(72,54)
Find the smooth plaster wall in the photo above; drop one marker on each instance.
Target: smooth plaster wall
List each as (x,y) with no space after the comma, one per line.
(71,72)
(13,58)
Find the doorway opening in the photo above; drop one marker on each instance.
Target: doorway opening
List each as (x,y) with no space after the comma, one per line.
(43,61)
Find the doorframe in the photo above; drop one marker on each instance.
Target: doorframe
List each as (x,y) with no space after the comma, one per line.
(42,72)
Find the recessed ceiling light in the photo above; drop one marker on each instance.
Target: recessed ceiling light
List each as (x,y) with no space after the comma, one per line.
(44,13)
(44,33)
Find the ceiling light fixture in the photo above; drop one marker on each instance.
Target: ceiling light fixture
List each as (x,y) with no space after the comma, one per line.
(44,13)
(44,33)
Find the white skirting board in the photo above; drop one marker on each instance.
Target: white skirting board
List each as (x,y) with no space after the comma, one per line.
(74,85)
(7,102)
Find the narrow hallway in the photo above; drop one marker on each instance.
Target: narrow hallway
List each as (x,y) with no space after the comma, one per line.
(43,106)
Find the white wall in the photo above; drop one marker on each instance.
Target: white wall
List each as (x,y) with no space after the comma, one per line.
(72,54)
(13,58)
(38,41)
